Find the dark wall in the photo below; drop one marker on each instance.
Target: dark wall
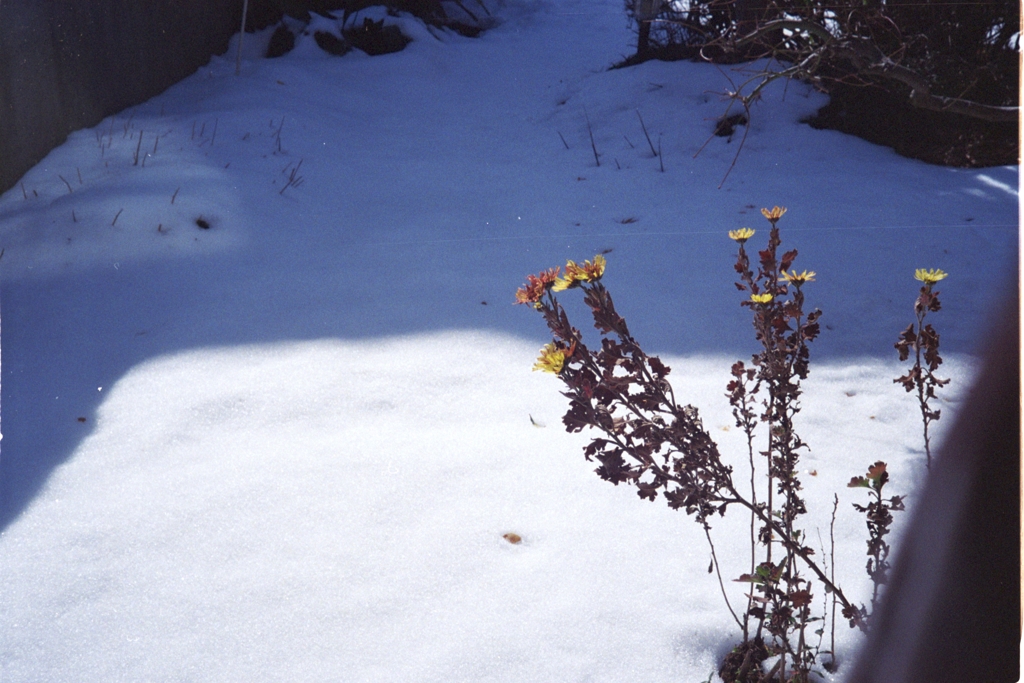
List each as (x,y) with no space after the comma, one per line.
(66,64)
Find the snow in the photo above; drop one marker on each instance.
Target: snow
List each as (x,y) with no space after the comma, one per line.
(307,428)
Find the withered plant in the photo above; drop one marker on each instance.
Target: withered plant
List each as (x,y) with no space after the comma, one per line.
(783,329)
(923,340)
(879,518)
(649,441)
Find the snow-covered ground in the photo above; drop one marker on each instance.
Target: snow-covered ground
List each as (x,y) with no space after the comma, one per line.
(287,446)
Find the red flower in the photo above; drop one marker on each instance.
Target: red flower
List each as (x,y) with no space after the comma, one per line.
(536,285)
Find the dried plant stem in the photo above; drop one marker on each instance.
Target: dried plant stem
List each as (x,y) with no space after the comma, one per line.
(137,148)
(175,195)
(921,398)
(832,562)
(563,139)
(116,217)
(743,411)
(925,342)
(644,127)
(70,191)
(277,135)
(721,584)
(736,157)
(590,132)
(294,179)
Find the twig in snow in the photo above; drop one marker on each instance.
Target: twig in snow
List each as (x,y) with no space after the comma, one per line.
(832,556)
(746,129)
(294,179)
(213,136)
(175,195)
(629,143)
(645,132)
(115,217)
(661,159)
(79,172)
(70,191)
(137,148)
(714,562)
(278,135)
(590,131)
(563,139)
(23,193)
(74,218)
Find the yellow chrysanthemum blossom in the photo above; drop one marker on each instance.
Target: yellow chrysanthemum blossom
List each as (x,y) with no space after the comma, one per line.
(741,235)
(929,276)
(551,359)
(798,279)
(773,214)
(562,284)
(761,298)
(575,274)
(596,269)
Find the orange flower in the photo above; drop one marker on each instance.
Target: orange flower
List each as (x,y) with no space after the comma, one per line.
(536,285)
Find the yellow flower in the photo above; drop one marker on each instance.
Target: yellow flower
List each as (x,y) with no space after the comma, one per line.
(575,274)
(930,276)
(562,284)
(761,298)
(596,269)
(741,235)
(774,214)
(798,279)
(551,359)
